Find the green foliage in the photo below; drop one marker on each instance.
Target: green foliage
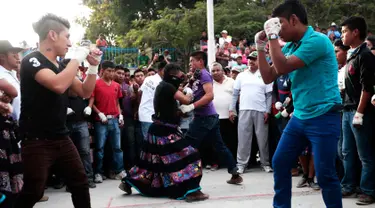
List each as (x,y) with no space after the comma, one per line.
(179,23)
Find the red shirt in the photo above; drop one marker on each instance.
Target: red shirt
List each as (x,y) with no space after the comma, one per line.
(101,43)
(106,97)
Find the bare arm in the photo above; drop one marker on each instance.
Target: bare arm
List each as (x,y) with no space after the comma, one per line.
(91,102)
(8,89)
(183,99)
(282,64)
(84,89)
(365,97)
(97,111)
(268,72)
(118,106)
(207,97)
(60,82)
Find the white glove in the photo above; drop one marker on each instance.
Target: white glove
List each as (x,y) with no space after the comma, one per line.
(358,119)
(278,105)
(77,53)
(287,101)
(284,114)
(87,111)
(92,70)
(69,111)
(187,108)
(102,117)
(260,43)
(121,119)
(272,27)
(373,100)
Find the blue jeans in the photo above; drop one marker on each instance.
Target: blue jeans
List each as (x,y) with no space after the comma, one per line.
(112,131)
(357,142)
(145,126)
(79,134)
(323,132)
(207,129)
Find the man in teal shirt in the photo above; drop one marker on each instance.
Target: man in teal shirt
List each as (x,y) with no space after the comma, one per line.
(309,59)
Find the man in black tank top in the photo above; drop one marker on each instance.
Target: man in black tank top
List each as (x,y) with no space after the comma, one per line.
(44,86)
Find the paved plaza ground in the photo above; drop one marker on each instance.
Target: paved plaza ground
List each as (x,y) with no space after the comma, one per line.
(256,191)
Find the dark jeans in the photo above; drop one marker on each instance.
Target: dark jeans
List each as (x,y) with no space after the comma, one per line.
(357,142)
(79,133)
(38,157)
(110,131)
(206,129)
(130,143)
(323,132)
(228,131)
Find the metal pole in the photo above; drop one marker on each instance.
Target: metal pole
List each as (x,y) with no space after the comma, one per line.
(211,33)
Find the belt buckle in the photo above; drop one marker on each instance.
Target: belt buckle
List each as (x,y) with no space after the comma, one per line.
(110,117)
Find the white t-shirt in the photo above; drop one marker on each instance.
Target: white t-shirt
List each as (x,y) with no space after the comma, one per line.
(11,77)
(341,78)
(223,40)
(223,97)
(146,107)
(252,91)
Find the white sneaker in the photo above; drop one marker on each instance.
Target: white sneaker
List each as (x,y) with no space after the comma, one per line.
(267,169)
(98,178)
(241,169)
(121,175)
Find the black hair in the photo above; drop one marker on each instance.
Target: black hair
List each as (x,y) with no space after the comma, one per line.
(162,65)
(151,70)
(200,55)
(126,70)
(137,71)
(341,45)
(359,23)
(172,69)
(107,64)
(290,7)
(119,67)
(50,22)
(321,29)
(371,38)
(132,76)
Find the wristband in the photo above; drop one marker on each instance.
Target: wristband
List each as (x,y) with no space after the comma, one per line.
(273,37)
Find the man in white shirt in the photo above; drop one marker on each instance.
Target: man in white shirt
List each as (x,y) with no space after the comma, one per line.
(147,92)
(255,106)
(224,38)
(223,92)
(9,63)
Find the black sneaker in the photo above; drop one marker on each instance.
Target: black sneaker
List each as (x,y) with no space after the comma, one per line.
(302,183)
(92,184)
(59,185)
(313,185)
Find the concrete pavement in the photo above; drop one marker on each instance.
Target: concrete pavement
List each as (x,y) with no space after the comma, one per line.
(256,191)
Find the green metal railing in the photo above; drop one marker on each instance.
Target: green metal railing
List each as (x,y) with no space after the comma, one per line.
(128,56)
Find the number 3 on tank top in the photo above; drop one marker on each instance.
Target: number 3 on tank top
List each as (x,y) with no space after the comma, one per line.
(35,62)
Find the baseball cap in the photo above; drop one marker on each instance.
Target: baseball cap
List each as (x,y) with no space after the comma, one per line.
(224,31)
(333,24)
(237,69)
(253,55)
(5,47)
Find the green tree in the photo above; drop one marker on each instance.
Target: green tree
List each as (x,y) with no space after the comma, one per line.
(179,28)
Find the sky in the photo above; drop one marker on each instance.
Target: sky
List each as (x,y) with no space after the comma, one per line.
(17,16)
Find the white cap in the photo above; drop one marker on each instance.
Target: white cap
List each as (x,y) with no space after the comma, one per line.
(224,31)
(237,68)
(333,24)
